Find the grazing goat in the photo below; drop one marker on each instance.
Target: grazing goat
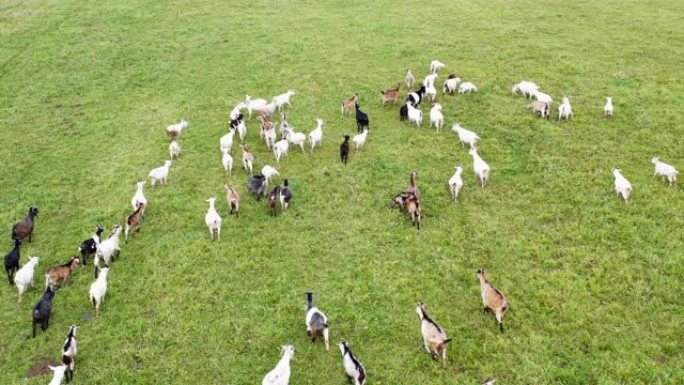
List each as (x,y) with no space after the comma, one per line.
(280,149)
(348,104)
(226,141)
(24,228)
(565,109)
(58,374)
(285,195)
(480,167)
(451,84)
(412,186)
(436,117)
(257,185)
(608,108)
(134,221)
(435,338)
(540,108)
(283,99)
(316,322)
(466,88)
(414,114)
(236,110)
(174,149)
(269,172)
(360,139)
(252,105)
(344,149)
(160,173)
(409,79)
(542,97)
(526,88)
(213,220)
(69,350)
(247,159)
(12,261)
(414,98)
(108,249)
(43,310)
(316,135)
(139,197)
(175,130)
(280,375)
(403,112)
(60,274)
(227,161)
(352,367)
(465,136)
(455,183)
(98,289)
(24,277)
(622,186)
(492,299)
(361,119)
(89,246)
(436,65)
(666,170)
(391,95)
(295,138)
(273,200)
(233,199)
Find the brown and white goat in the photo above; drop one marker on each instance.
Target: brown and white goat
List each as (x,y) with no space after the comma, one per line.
(59,274)
(492,298)
(348,105)
(267,132)
(413,208)
(540,108)
(391,95)
(233,199)
(134,220)
(434,337)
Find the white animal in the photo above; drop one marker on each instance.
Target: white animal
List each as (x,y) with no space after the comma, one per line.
(280,375)
(283,99)
(352,366)
(295,138)
(360,139)
(414,114)
(280,149)
(430,79)
(107,248)
(24,277)
(316,135)
(451,84)
(666,170)
(542,97)
(436,65)
(174,149)
(565,109)
(139,197)
(456,182)
(465,136)
(58,374)
(236,110)
(270,137)
(431,92)
(466,88)
(480,167)
(409,79)
(226,141)
(269,172)
(160,173)
(227,161)
(247,159)
(608,108)
(98,289)
(268,109)
(253,105)
(435,338)
(526,88)
(174,130)
(436,116)
(241,130)
(489,381)
(622,186)
(69,350)
(213,220)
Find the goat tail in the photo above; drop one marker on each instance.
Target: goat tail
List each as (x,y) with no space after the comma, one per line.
(446,341)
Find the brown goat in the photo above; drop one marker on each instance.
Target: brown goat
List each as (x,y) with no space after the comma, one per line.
(492,298)
(233,199)
(413,186)
(413,208)
(134,220)
(266,124)
(60,273)
(392,95)
(349,104)
(24,228)
(273,200)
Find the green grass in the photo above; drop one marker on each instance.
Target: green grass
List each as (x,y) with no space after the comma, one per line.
(594,284)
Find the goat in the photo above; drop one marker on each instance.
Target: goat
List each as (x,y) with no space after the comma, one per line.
(348,104)
(414,98)
(480,167)
(12,261)
(69,350)
(316,136)
(174,149)
(431,93)
(492,299)
(401,199)
(316,322)
(273,200)
(233,199)
(666,170)
(175,130)
(236,110)
(213,220)
(436,65)
(89,246)
(226,141)
(403,112)
(108,249)
(280,375)
(414,114)
(412,186)
(283,99)
(344,149)
(227,161)
(361,119)
(466,88)
(451,84)
(540,108)
(24,277)
(542,97)
(98,289)
(352,367)
(284,125)
(134,221)
(413,207)
(360,139)
(409,79)
(436,117)
(269,172)
(285,195)
(247,159)
(267,132)
(160,173)
(430,80)
(526,88)
(435,338)
(257,185)
(622,186)
(241,128)
(608,108)
(58,374)
(139,197)
(268,109)
(60,274)
(252,105)
(456,182)
(280,149)
(565,109)
(24,228)
(489,381)
(295,138)
(465,136)
(43,309)
(392,94)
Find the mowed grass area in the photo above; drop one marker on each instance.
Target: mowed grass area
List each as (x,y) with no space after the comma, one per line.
(594,284)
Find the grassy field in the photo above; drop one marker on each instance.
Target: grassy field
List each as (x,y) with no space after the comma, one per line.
(594,285)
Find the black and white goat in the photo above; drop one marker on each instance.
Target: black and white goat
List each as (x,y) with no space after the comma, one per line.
(89,246)
(316,322)
(285,195)
(69,352)
(416,97)
(355,371)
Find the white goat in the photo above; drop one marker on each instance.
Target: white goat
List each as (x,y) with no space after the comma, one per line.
(360,139)
(139,197)
(58,374)
(436,116)
(175,130)
(436,65)
(247,159)
(456,182)
(466,88)
(98,289)
(295,138)
(269,172)
(268,109)
(316,135)
(227,161)
(241,128)
(280,149)
(565,109)
(107,248)
(622,186)
(430,79)
(480,167)
(280,375)
(608,108)
(666,170)
(431,92)
(24,277)
(213,220)
(174,149)
(542,97)
(414,114)
(270,137)
(253,105)
(283,99)
(451,84)
(465,136)
(235,113)
(226,141)
(526,88)
(160,173)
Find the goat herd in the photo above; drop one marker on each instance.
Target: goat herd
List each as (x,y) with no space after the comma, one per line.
(434,337)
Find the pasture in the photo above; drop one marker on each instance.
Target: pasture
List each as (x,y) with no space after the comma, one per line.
(594,285)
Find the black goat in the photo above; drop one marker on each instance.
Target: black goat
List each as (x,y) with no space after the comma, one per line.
(43,309)
(24,228)
(361,118)
(12,262)
(344,149)
(403,113)
(273,200)
(257,185)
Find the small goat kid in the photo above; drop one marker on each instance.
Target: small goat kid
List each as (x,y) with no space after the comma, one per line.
(435,338)
(466,88)
(227,161)
(58,374)
(409,79)
(139,196)
(360,139)
(608,108)
(247,159)
(344,149)
(233,199)
(12,261)
(174,149)
(43,310)
(391,95)
(348,104)
(565,109)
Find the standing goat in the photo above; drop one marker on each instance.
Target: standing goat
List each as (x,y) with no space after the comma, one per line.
(352,367)
(89,246)
(361,119)
(466,88)
(492,299)
(69,350)
(348,104)
(526,88)
(226,141)
(436,65)
(456,182)
(451,84)
(295,138)
(344,149)
(43,310)
(60,274)
(252,105)
(174,149)
(24,277)
(608,108)
(12,261)
(269,172)
(465,136)
(227,161)
(280,149)
(622,186)
(175,130)
(412,186)
(139,197)
(273,201)
(409,79)
(316,322)
(257,185)
(108,249)
(247,159)
(434,337)
(480,167)
(134,221)
(233,199)
(360,139)
(666,170)
(24,228)
(213,220)
(565,109)
(98,289)
(540,108)
(414,98)
(58,374)
(267,131)
(414,114)
(283,99)
(280,375)
(285,195)
(316,135)
(391,95)
(160,173)
(436,117)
